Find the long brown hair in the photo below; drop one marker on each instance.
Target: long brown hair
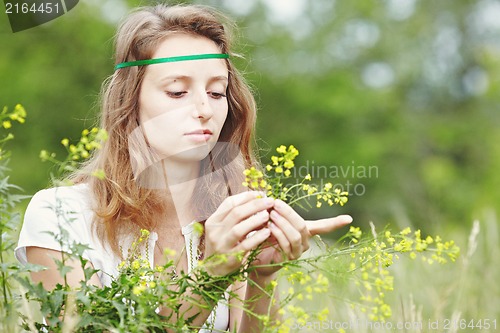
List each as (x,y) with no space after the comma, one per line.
(121,205)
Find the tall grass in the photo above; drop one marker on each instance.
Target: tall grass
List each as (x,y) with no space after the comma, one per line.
(456,297)
(426,298)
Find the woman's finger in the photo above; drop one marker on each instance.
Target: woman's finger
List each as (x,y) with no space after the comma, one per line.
(239,231)
(237,208)
(295,220)
(231,202)
(253,241)
(248,209)
(290,214)
(282,240)
(326,225)
(296,240)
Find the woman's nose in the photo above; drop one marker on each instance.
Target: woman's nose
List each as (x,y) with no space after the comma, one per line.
(202,106)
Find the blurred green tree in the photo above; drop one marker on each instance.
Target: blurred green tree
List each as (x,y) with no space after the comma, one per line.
(408,88)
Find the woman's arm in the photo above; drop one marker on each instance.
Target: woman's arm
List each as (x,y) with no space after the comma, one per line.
(257,303)
(236,304)
(51,276)
(189,308)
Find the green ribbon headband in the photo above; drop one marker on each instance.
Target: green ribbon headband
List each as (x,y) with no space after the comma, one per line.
(172,59)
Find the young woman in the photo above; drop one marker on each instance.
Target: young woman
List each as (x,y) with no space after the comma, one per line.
(180,121)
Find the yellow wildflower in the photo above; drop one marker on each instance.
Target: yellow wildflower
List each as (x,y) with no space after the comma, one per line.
(281,149)
(136,264)
(405,231)
(137,290)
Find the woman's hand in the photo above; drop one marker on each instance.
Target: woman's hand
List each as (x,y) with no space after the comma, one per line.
(291,234)
(290,238)
(227,229)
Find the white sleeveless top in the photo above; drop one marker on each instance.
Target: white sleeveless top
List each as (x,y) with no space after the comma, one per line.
(70,207)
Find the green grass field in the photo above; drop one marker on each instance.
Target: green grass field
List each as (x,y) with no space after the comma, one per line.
(454,297)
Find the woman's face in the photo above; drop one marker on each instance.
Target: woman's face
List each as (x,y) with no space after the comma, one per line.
(183,105)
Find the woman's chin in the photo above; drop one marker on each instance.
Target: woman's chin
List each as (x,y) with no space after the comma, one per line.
(191,154)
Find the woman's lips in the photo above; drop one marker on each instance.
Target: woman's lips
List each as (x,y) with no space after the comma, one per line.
(201,135)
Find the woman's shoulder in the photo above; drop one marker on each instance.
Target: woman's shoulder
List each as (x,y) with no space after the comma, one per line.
(75,190)
(56,213)
(56,204)
(62,195)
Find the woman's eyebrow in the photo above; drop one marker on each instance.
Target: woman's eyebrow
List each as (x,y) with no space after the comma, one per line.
(174,78)
(219,78)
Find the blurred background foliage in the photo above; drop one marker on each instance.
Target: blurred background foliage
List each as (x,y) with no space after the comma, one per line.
(405,93)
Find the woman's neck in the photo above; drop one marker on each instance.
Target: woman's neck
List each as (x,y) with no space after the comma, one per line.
(180,180)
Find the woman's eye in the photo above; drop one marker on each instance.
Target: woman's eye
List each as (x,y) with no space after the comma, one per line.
(217,95)
(176,94)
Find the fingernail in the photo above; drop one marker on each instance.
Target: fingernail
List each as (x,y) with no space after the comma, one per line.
(279,203)
(263,213)
(274,214)
(347,218)
(269,202)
